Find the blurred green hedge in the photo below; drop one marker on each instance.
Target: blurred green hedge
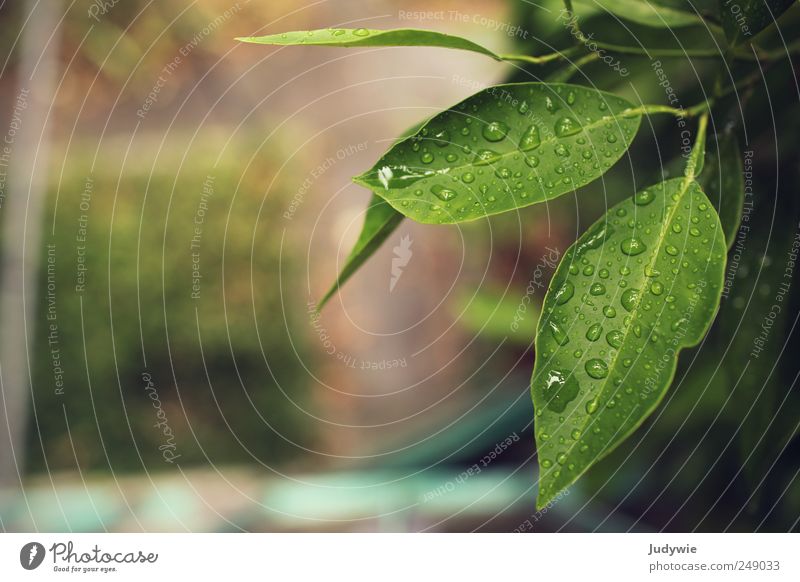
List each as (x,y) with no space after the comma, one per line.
(225,381)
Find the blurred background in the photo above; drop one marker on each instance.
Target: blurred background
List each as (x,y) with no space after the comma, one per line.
(174,203)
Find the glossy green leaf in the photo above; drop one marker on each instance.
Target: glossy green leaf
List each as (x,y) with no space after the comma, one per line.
(504,148)
(380,221)
(743,19)
(641,284)
(723,183)
(655,13)
(364,37)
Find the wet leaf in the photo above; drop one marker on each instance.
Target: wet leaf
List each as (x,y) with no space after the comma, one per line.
(641,284)
(356,37)
(504,148)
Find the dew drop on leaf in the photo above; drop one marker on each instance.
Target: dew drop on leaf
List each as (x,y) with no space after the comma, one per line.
(558,333)
(643,197)
(632,246)
(495,131)
(530,139)
(566,126)
(594,332)
(597,289)
(560,389)
(630,298)
(614,338)
(485,157)
(565,293)
(596,368)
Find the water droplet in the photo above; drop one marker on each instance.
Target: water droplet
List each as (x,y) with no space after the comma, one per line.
(561,458)
(523,107)
(591,407)
(559,390)
(564,293)
(442,138)
(361,32)
(426,157)
(632,246)
(468,178)
(571,98)
(575,434)
(396,177)
(551,104)
(485,157)
(547,463)
(676,227)
(672,250)
(650,271)
(451,157)
(594,239)
(614,338)
(609,311)
(567,126)
(530,139)
(594,332)
(495,131)
(643,198)
(656,288)
(630,299)
(694,231)
(503,173)
(597,289)
(596,368)
(611,138)
(532,161)
(442,193)
(558,333)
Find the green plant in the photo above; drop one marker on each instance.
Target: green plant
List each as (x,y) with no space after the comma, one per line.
(641,284)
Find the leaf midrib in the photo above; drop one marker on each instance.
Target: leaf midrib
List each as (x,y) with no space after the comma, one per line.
(359,179)
(686,182)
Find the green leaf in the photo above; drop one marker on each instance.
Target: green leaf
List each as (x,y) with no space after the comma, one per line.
(641,284)
(504,148)
(723,183)
(381,220)
(654,13)
(355,37)
(743,19)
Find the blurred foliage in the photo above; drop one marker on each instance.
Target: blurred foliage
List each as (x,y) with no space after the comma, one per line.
(220,380)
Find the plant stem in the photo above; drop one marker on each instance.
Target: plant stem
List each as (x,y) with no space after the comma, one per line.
(699,148)
(564,75)
(540,60)
(676,111)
